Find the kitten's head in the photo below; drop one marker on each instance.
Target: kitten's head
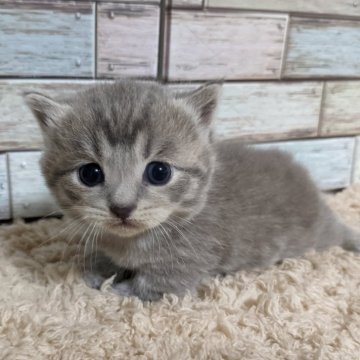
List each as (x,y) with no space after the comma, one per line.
(128,156)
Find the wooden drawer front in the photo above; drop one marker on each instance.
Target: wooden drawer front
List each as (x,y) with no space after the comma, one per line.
(5,212)
(128,39)
(341,109)
(323,47)
(336,7)
(269,110)
(47,39)
(18,127)
(212,45)
(329,161)
(29,194)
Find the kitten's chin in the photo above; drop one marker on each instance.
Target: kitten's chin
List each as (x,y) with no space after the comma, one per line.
(129,229)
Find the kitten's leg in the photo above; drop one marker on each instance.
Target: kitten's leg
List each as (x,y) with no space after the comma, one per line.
(99,268)
(133,288)
(151,286)
(351,240)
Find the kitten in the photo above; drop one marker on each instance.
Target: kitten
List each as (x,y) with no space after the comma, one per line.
(137,162)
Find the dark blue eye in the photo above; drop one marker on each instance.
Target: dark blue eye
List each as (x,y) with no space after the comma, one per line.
(91,174)
(158,173)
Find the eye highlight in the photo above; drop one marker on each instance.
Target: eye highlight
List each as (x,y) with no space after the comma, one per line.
(91,174)
(157,173)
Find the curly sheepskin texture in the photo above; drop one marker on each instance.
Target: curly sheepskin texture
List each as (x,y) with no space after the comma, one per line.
(306,308)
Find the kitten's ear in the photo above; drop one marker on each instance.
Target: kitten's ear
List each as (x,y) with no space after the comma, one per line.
(47,111)
(204,100)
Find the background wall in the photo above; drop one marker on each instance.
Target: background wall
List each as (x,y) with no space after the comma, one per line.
(290,69)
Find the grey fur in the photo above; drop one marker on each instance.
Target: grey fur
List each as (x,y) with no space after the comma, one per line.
(227,207)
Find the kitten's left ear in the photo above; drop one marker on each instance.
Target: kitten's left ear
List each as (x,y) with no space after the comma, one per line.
(47,111)
(204,100)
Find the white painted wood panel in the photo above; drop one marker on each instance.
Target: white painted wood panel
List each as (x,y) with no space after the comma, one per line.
(329,161)
(47,39)
(29,194)
(335,7)
(323,48)
(356,162)
(132,1)
(186,3)
(18,127)
(341,109)
(5,212)
(128,39)
(228,45)
(264,111)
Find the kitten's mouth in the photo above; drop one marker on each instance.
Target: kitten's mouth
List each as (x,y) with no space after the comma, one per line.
(129,224)
(126,226)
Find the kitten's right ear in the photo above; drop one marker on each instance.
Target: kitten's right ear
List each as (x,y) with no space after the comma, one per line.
(47,111)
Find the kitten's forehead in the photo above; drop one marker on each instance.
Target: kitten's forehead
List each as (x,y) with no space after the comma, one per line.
(130,117)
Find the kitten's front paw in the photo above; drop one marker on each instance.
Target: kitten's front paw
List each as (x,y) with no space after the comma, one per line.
(123,288)
(100,268)
(93,280)
(131,288)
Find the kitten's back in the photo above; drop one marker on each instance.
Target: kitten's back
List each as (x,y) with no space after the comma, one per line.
(267,208)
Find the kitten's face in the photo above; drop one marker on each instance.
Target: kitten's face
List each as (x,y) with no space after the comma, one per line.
(128,156)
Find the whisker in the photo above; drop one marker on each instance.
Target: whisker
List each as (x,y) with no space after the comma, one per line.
(88,239)
(70,225)
(81,240)
(81,223)
(182,235)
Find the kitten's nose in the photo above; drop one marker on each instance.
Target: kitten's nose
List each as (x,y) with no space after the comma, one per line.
(123,212)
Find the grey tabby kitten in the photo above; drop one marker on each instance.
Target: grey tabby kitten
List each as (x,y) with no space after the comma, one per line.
(175,206)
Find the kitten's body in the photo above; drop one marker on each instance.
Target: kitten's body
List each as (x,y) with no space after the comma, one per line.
(228,206)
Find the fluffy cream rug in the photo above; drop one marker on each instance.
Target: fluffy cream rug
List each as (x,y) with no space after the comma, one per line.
(306,308)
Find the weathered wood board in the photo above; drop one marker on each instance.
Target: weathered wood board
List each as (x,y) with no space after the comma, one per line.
(341,108)
(356,162)
(329,161)
(264,111)
(29,194)
(5,212)
(227,45)
(18,127)
(47,39)
(132,1)
(127,39)
(292,110)
(323,48)
(335,7)
(186,3)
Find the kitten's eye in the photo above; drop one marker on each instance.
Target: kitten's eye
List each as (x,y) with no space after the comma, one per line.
(91,174)
(158,173)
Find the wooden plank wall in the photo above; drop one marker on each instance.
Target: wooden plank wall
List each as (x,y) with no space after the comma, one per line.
(47,39)
(321,7)
(323,48)
(30,197)
(5,211)
(199,50)
(291,72)
(127,40)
